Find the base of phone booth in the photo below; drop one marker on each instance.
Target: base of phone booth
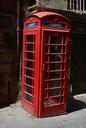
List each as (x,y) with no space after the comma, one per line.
(52,111)
(61,110)
(28,107)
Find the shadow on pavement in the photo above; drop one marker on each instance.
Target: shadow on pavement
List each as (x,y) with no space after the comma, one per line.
(75,105)
(4,105)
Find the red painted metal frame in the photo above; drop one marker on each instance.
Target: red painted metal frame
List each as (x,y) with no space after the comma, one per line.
(37,108)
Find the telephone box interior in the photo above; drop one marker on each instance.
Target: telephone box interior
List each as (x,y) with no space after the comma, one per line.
(45,64)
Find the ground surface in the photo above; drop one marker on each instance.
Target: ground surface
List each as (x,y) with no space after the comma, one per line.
(16,117)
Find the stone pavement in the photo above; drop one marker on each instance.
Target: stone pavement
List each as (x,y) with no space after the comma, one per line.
(16,117)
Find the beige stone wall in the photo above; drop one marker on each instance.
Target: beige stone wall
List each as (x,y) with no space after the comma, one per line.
(57,4)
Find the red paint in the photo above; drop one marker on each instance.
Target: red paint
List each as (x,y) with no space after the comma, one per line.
(45,64)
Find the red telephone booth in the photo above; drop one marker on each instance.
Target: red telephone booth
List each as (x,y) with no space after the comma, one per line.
(45,63)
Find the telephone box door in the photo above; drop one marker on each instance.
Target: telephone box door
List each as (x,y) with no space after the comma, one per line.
(28,76)
(54,73)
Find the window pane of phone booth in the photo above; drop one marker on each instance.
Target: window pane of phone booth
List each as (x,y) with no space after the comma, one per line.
(28,97)
(29,56)
(55,67)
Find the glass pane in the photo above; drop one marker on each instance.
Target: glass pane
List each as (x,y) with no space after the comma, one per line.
(56,39)
(47,39)
(29,72)
(63,58)
(55,66)
(28,97)
(54,75)
(56,83)
(29,55)
(30,38)
(55,57)
(64,40)
(61,99)
(30,47)
(29,64)
(55,49)
(54,92)
(29,89)
(29,81)
(64,50)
